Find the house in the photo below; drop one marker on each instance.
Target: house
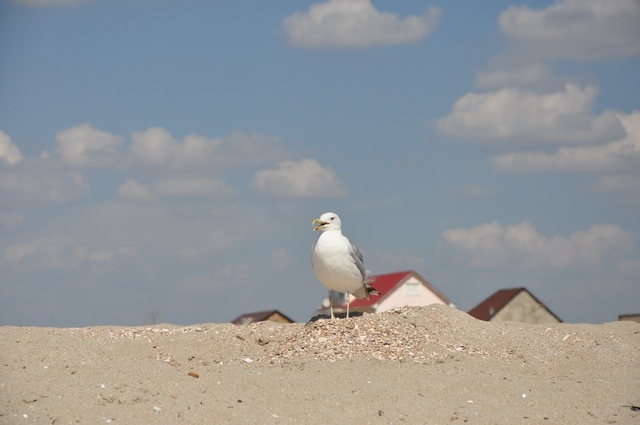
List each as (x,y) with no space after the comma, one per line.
(399,289)
(515,304)
(261,316)
(630,317)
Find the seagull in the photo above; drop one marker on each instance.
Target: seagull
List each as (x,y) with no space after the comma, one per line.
(337,262)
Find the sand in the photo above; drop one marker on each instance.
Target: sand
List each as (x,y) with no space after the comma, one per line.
(427,365)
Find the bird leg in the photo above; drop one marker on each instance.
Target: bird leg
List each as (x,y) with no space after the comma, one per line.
(331,302)
(346,300)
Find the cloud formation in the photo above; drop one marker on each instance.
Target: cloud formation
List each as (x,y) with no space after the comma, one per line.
(9,152)
(157,147)
(510,113)
(300,179)
(492,244)
(159,166)
(609,156)
(84,146)
(543,128)
(59,252)
(355,24)
(175,188)
(38,182)
(573,29)
(218,241)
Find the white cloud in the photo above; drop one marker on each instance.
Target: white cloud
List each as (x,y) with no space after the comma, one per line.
(527,111)
(9,152)
(60,252)
(609,156)
(54,252)
(36,179)
(573,29)
(154,146)
(157,147)
(175,188)
(84,146)
(105,259)
(492,244)
(38,182)
(302,179)
(355,24)
(510,113)
(217,242)
(133,190)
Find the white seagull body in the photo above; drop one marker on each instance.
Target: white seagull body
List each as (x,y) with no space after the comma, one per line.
(337,262)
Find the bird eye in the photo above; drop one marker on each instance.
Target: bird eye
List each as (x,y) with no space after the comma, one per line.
(333,218)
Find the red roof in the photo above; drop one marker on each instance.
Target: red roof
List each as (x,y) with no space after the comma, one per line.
(496,302)
(385,283)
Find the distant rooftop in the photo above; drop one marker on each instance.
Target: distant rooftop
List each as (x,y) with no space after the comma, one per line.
(496,302)
(261,316)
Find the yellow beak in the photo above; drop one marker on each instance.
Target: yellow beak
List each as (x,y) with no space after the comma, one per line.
(319,222)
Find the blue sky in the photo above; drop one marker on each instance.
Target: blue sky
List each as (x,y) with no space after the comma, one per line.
(164,160)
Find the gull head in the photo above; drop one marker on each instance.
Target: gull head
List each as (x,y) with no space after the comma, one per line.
(327,221)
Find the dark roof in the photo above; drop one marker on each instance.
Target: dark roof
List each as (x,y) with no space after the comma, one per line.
(386,283)
(257,316)
(496,302)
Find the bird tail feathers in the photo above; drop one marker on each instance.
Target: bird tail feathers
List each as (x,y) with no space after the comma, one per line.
(364,291)
(372,291)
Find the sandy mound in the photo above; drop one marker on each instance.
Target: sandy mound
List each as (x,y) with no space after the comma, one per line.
(414,365)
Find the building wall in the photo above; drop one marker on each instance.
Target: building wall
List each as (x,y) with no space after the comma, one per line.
(411,293)
(630,317)
(524,308)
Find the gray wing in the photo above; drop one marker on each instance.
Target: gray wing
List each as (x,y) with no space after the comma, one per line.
(357,257)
